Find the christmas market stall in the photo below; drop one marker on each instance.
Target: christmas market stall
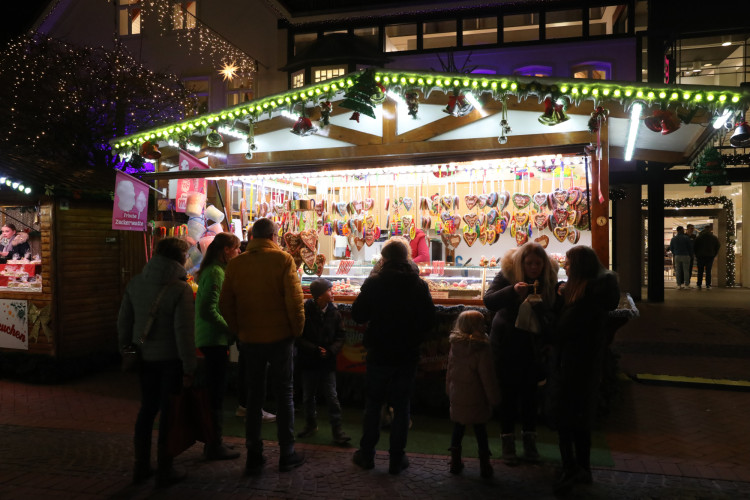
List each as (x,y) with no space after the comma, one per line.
(479,163)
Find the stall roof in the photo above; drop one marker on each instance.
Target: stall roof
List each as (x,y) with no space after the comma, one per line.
(697,106)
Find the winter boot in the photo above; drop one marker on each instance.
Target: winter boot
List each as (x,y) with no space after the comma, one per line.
(530,453)
(456,464)
(142,469)
(311,427)
(485,467)
(218,450)
(339,436)
(509,449)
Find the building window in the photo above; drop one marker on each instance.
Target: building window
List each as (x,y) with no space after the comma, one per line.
(400,37)
(298,79)
(368,34)
(302,41)
(563,24)
(326,73)
(239,90)
(199,88)
(130,17)
(183,15)
(608,20)
(438,34)
(521,27)
(480,31)
(534,70)
(593,70)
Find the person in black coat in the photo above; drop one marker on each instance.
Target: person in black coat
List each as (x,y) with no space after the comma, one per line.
(584,303)
(397,305)
(317,348)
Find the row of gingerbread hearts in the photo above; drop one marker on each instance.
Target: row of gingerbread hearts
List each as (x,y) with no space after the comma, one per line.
(521,235)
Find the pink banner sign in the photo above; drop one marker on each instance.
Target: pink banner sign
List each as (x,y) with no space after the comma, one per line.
(187,186)
(130,210)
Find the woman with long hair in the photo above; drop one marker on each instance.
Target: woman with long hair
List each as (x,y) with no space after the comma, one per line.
(516,350)
(212,335)
(584,302)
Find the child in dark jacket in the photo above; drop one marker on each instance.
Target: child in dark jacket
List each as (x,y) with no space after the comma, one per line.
(317,348)
(471,386)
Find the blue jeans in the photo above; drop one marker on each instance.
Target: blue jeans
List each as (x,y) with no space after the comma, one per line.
(681,269)
(392,385)
(325,380)
(278,356)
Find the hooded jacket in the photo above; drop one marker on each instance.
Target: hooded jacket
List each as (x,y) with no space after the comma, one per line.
(19,244)
(470,382)
(172,332)
(322,329)
(261,298)
(397,305)
(419,250)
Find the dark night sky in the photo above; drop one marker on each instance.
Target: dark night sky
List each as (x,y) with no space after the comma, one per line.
(23,15)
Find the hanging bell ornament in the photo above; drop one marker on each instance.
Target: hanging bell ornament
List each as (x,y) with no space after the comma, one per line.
(662,121)
(412,103)
(741,136)
(458,105)
(303,127)
(379,96)
(504,131)
(554,113)
(182,142)
(214,139)
(150,150)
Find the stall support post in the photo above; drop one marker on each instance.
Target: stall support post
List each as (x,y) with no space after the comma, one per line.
(600,209)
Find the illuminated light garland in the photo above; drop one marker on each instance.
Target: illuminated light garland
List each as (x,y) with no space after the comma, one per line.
(574,90)
(730,237)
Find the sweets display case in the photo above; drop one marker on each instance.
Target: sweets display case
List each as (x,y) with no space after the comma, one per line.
(21,276)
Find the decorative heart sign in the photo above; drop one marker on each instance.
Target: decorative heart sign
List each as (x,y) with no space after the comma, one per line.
(368,204)
(560,233)
(492,216)
(350,208)
(571,217)
(492,236)
(561,216)
(451,241)
(574,196)
(521,200)
(408,203)
(503,223)
(492,199)
(357,206)
(503,199)
(320,207)
(359,224)
(521,237)
(471,219)
(320,262)
(522,218)
(483,236)
(540,199)
(471,200)
(309,239)
(446,216)
(352,226)
(560,195)
(540,221)
(446,201)
(369,237)
(308,256)
(552,201)
(369,221)
(470,237)
(573,235)
(358,242)
(341,208)
(482,200)
(543,240)
(407,221)
(293,242)
(376,232)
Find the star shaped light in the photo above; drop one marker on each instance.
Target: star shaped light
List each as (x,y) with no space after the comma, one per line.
(229,71)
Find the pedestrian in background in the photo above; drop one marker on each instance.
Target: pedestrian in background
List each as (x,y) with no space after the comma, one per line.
(161,296)
(471,385)
(317,349)
(397,306)
(262,301)
(706,249)
(690,233)
(212,335)
(681,247)
(584,302)
(517,351)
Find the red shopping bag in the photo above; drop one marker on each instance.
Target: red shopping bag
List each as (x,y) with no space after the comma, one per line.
(190,420)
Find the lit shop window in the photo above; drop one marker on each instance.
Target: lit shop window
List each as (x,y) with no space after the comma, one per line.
(239,90)
(438,34)
(480,31)
(608,20)
(183,15)
(400,37)
(563,24)
(521,27)
(326,73)
(534,70)
(593,70)
(130,17)
(298,79)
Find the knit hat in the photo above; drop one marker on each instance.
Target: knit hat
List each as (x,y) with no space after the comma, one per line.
(319,287)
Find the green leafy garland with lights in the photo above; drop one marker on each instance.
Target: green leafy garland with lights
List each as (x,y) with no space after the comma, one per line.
(730,238)
(713,99)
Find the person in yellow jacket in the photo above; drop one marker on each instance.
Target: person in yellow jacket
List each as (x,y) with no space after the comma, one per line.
(261,300)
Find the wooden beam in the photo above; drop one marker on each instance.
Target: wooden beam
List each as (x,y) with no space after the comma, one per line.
(599,190)
(668,157)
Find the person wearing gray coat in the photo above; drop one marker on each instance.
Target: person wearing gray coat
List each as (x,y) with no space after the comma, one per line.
(167,353)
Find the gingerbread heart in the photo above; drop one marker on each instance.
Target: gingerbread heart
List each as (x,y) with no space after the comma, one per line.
(573,235)
(470,237)
(376,232)
(471,200)
(446,216)
(482,200)
(471,220)
(522,218)
(424,204)
(521,237)
(560,233)
(574,196)
(543,240)
(561,196)
(502,200)
(455,203)
(492,216)
(368,204)
(263,209)
(571,217)
(483,236)
(369,221)
(561,216)
(503,223)
(492,199)
(521,200)
(293,242)
(408,203)
(320,207)
(359,224)
(446,201)
(451,241)
(492,236)
(369,237)
(551,221)
(357,206)
(320,262)
(540,221)
(426,222)
(407,221)
(341,208)
(540,199)
(309,239)
(358,242)
(308,256)
(387,204)
(552,201)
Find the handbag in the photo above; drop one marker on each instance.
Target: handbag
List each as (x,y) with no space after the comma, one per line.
(131,353)
(190,419)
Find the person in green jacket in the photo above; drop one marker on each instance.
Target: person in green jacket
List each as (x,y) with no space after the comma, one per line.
(212,335)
